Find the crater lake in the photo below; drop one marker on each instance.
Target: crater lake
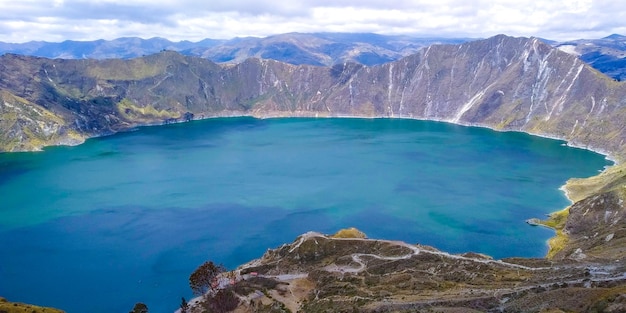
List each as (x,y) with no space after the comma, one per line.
(127,218)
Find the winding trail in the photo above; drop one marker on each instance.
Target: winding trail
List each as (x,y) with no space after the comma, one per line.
(414,250)
(356,257)
(596,274)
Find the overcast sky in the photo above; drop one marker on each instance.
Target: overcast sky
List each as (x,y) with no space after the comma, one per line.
(58,20)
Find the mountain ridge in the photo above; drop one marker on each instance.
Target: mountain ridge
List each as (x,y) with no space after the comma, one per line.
(295,48)
(605,54)
(566,98)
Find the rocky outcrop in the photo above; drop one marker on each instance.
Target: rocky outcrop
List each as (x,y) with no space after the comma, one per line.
(318,273)
(596,228)
(593,229)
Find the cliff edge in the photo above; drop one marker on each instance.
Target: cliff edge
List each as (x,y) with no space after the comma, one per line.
(319,273)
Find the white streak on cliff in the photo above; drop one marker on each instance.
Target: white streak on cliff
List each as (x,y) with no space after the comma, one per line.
(602,107)
(593,105)
(263,76)
(498,46)
(423,71)
(539,90)
(452,75)
(351,95)
(402,100)
(48,76)
(569,72)
(559,103)
(389,89)
(426,58)
(470,103)
(573,128)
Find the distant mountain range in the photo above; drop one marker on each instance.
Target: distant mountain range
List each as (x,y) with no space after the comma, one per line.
(121,48)
(608,54)
(294,48)
(605,54)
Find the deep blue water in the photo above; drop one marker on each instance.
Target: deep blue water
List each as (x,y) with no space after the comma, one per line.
(127,218)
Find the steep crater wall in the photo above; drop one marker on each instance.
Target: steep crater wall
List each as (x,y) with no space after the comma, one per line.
(503,83)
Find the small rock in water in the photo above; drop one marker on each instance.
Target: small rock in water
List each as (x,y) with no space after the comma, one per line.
(533,221)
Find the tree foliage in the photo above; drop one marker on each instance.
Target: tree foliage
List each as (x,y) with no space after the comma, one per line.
(140,308)
(204,278)
(184,306)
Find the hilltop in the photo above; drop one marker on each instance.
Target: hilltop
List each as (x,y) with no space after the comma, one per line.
(319,273)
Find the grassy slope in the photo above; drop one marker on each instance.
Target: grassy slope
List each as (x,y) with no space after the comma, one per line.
(11,307)
(611,180)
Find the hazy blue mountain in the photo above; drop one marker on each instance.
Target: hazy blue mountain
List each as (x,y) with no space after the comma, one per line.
(605,54)
(608,54)
(320,48)
(294,48)
(120,48)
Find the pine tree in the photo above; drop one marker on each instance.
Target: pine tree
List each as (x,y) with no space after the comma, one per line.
(184,306)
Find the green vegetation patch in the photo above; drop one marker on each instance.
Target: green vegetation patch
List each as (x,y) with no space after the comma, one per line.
(135,69)
(15,307)
(30,126)
(349,233)
(557,243)
(132,112)
(610,179)
(557,222)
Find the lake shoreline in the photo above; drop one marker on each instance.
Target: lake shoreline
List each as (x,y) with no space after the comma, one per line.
(292,172)
(322,115)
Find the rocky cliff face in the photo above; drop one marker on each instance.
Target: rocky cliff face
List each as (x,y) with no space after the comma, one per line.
(502,82)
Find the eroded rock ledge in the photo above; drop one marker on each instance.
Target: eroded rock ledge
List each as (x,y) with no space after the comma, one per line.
(318,273)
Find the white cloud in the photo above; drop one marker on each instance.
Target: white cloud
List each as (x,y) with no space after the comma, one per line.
(56,20)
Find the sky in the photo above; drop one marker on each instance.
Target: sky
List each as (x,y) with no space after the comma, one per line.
(194,20)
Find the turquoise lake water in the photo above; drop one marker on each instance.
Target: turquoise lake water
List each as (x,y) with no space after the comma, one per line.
(126,218)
